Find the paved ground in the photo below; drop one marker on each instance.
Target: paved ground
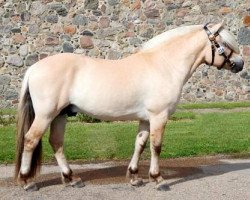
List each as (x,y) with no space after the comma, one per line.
(196,178)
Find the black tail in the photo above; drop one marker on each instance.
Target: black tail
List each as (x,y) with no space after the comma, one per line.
(25,119)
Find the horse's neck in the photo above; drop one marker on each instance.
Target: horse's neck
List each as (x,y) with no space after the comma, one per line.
(181,58)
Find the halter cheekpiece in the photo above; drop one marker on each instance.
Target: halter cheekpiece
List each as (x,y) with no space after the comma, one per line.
(221,50)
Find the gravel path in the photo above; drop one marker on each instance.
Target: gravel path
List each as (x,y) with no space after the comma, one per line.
(194,178)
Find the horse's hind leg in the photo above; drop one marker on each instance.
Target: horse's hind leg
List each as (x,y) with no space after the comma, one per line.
(56,140)
(140,143)
(29,156)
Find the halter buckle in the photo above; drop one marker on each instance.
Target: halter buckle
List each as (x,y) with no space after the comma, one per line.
(221,50)
(211,37)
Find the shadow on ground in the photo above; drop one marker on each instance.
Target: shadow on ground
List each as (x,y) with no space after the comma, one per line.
(180,170)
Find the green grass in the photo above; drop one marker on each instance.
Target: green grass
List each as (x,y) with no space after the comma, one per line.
(221,105)
(187,134)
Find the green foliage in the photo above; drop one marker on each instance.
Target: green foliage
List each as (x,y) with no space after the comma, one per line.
(183,116)
(6,120)
(86,118)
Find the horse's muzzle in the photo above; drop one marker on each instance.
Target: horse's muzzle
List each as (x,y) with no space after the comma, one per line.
(237,65)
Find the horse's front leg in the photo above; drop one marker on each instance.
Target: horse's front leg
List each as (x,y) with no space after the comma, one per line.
(157,127)
(140,143)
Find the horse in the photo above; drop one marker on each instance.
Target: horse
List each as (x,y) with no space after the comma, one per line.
(145,86)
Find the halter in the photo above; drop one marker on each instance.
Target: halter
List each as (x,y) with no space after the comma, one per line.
(221,50)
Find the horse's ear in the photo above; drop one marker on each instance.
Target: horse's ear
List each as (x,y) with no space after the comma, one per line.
(218,26)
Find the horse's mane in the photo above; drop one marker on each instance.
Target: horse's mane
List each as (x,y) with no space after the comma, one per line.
(227,37)
(166,36)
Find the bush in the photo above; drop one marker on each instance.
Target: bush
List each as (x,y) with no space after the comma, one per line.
(7,119)
(85,118)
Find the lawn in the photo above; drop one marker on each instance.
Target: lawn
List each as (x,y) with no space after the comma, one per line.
(187,134)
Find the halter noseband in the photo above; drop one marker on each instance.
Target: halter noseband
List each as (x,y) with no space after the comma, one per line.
(221,50)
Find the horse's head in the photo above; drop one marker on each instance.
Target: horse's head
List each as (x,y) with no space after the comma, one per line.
(222,49)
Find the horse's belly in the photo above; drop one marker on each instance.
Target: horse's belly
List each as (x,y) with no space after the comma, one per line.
(111,112)
(109,106)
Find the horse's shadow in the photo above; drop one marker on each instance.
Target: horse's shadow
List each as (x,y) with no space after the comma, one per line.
(116,174)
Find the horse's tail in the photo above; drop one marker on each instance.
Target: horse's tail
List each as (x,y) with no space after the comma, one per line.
(25,118)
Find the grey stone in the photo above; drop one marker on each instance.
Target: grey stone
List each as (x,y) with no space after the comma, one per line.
(31,59)
(135,41)
(187,4)
(68,47)
(25,16)
(173,7)
(1,89)
(80,20)
(54,6)
(6,15)
(12,50)
(114,55)
(104,43)
(103,33)
(148,33)
(16,30)
(229,96)
(244,36)
(196,10)
(60,9)
(7,29)
(65,37)
(11,95)
(1,62)
(91,4)
(24,50)
(245,75)
(37,8)
(52,19)
(97,13)
(5,79)
(152,13)
(246,89)
(88,33)
(113,2)
(15,60)
(34,29)
(21,7)
(48,49)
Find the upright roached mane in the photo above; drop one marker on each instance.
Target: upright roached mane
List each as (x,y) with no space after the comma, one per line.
(145,86)
(164,37)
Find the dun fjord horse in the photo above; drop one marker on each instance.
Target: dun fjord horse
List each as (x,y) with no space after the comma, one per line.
(145,86)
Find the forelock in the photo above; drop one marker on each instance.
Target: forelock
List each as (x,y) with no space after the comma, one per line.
(229,39)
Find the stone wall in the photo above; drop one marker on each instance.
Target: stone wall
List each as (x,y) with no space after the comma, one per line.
(32,30)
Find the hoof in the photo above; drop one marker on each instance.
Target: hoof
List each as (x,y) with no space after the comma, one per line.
(137,182)
(77,183)
(162,187)
(30,187)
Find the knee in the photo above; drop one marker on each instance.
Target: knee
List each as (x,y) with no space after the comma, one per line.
(30,143)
